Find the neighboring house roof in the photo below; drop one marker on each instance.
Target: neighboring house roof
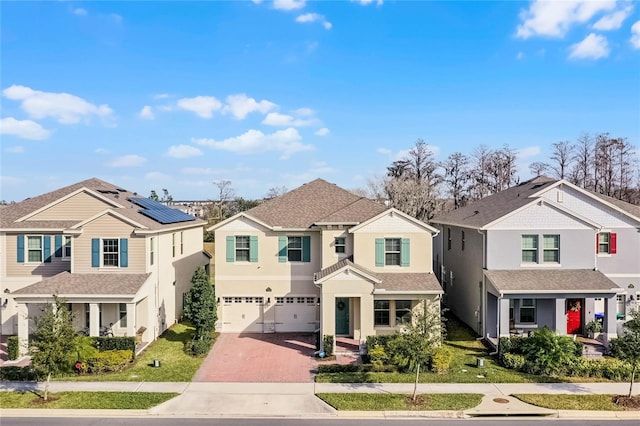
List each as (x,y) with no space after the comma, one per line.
(551,281)
(315,202)
(66,283)
(114,194)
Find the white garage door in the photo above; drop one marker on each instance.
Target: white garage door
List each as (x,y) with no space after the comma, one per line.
(242,314)
(295,314)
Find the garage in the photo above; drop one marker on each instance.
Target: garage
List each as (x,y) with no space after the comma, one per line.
(242,314)
(296,314)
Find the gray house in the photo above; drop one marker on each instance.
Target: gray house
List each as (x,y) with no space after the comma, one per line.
(543,253)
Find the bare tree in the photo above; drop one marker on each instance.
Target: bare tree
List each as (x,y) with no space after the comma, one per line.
(562,157)
(502,169)
(225,194)
(456,177)
(582,163)
(276,191)
(538,168)
(479,187)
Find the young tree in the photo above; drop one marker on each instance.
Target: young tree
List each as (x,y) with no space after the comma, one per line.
(52,340)
(627,347)
(200,305)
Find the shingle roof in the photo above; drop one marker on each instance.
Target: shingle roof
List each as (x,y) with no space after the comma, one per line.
(348,261)
(14,211)
(67,284)
(632,209)
(552,281)
(315,202)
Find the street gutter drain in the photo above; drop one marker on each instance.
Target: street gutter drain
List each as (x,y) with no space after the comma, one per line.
(501,400)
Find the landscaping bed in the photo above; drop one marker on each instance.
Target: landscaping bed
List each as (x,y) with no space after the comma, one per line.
(86,400)
(398,402)
(582,402)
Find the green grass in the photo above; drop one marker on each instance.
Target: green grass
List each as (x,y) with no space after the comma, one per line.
(396,402)
(175,365)
(571,402)
(86,400)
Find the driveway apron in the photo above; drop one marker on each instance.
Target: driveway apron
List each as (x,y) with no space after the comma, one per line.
(259,358)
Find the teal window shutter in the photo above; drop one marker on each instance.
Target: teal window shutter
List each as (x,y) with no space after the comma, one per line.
(306,248)
(379,251)
(20,248)
(253,248)
(282,248)
(124,252)
(58,245)
(47,248)
(231,248)
(405,252)
(95,252)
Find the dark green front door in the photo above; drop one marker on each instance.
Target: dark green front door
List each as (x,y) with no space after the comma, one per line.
(342,316)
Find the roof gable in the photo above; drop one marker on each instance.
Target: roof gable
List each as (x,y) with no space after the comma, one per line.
(394,215)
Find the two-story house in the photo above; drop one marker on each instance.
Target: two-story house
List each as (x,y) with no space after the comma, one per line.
(116,257)
(321,257)
(542,253)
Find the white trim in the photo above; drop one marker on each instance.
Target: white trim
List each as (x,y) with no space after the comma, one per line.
(381,291)
(109,212)
(393,211)
(508,292)
(236,216)
(348,268)
(622,275)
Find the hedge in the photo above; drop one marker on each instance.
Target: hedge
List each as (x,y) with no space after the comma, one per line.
(356,368)
(381,340)
(13,347)
(24,374)
(115,344)
(198,347)
(108,361)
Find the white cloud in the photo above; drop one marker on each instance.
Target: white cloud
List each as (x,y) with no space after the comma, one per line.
(635,35)
(314,17)
(277,119)
(147,113)
(203,106)
(368,2)
(101,151)
(555,18)
(240,105)
(130,160)
(287,141)
(320,167)
(528,152)
(322,132)
(161,96)
(25,129)
(157,176)
(66,108)
(15,149)
(80,11)
(183,151)
(614,20)
(289,4)
(383,151)
(164,107)
(256,1)
(199,171)
(594,46)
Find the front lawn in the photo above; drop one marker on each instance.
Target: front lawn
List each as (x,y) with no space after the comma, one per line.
(175,365)
(397,402)
(572,402)
(86,400)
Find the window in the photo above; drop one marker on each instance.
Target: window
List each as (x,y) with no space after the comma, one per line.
(551,248)
(294,249)
(248,299)
(152,248)
(228,300)
(279,300)
(181,242)
(34,248)
(289,299)
(237,300)
(462,239)
(173,244)
(529,249)
(311,300)
(448,238)
(340,245)
(110,252)
(527,311)
(606,243)
(123,314)
(66,246)
(380,312)
(87,315)
(403,312)
(392,251)
(260,300)
(242,248)
(300,300)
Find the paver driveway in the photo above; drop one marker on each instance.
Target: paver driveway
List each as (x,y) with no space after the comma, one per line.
(253,357)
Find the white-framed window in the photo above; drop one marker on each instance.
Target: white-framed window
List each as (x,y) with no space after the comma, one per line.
(403,312)
(392,251)
(237,300)
(311,300)
(462,239)
(294,249)
(299,299)
(122,314)
(527,311)
(248,299)
(260,300)
(604,242)
(110,252)
(152,250)
(66,247)
(87,315)
(340,244)
(381,312)
(228,300)
(243,245)
(289,299)
(181,242)
(34,249)
(173,244)
(529,249)
(279,300)
(551,248)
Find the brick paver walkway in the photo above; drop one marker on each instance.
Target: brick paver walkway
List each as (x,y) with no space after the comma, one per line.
(249,357)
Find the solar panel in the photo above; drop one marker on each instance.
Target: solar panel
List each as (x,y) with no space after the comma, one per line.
(161,213)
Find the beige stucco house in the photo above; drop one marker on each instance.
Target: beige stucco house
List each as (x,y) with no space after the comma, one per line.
(116,257)
(321,258)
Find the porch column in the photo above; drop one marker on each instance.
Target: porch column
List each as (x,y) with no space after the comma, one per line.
(610,311)
(131,319)
(23,328)
(560,317)
(94,319)
(503,317)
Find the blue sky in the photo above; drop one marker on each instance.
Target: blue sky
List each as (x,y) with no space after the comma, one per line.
(176,95)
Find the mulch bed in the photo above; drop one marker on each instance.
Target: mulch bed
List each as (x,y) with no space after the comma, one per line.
(629,403)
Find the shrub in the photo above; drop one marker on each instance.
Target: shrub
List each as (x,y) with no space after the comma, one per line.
(13,347)
(328,344)
(547,353)
(382,340)
(115,344)
(199,347)
(378,356)
(513,361)
(20,374)
(108,361)
(441,359)
(355,368)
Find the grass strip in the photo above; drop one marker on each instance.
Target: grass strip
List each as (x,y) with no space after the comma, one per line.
(399,402)
(571,402)
(86,400)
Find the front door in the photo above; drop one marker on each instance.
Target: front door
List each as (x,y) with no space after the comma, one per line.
(342,316)
(574,316)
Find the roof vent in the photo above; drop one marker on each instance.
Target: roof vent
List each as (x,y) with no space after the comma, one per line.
(476,212)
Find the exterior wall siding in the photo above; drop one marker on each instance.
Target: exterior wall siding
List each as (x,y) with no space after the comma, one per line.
(79,207)
(540,216)
(41,270)
(329,255)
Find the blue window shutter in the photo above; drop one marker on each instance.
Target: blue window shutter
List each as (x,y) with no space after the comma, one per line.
(379,251)
(231,248)
(20,248)
(47,248)
(124,252)
(282,248)
(306,249)
(253,248)
(58,245)
(95,252)
(405,252)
